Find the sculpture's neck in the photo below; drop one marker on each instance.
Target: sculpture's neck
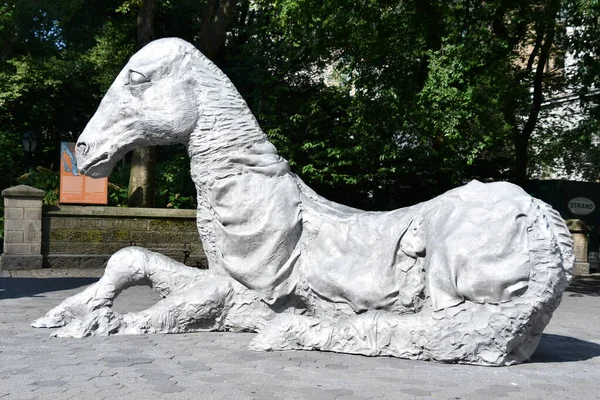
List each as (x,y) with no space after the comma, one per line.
(227,137)
(248,205)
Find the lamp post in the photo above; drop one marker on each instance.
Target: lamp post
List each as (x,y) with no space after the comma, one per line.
(29,144)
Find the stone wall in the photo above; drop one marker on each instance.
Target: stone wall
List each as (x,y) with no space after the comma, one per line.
(85,237)
(22,228)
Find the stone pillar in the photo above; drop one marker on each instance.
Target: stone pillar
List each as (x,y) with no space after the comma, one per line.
(22,228)
(579,230)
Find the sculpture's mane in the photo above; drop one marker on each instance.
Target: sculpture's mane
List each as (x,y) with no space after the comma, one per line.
(225,123)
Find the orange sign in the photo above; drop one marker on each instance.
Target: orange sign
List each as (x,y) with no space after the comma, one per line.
(77,188)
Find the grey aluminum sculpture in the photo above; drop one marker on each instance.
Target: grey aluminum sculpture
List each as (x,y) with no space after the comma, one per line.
(472,276)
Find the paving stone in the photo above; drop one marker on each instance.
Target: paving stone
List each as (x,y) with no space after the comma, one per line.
(127,360)
(217,365)
(177,396)
(315,393)
(21,396)
(122,364)
(128,373)
(19,380)
(111,394)
(104,381)
(168,388)
(416,392)
(50,383)
(261,394)
(194,366)
(337,366)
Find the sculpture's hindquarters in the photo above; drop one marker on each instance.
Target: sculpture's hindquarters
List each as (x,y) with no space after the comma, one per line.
(552,261)
(508,333)
(474,333)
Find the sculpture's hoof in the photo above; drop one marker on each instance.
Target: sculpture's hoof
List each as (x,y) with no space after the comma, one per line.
(281,333)
(261,342)
(72,330)
(101,322)
(53,319)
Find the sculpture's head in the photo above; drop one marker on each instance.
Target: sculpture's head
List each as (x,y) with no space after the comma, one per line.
(153,101)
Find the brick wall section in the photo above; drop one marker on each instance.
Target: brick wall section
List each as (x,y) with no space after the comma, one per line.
(85,237)
(22,227)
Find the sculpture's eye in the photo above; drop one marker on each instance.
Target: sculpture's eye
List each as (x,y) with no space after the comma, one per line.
(136,78)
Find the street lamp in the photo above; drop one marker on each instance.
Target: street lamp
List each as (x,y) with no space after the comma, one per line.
(29,144)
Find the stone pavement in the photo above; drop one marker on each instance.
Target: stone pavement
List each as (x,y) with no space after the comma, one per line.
(218,365)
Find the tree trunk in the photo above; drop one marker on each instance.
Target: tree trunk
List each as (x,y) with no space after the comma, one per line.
(428,12)
(143,163)
(521,144)
(521,138)
(215,24)
(145,22)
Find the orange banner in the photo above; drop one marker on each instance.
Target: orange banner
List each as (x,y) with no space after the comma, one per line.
(77,188)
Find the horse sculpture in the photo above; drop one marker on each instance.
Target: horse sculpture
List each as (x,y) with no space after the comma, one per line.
(472,276)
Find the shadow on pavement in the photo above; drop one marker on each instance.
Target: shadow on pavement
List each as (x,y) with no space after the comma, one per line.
(13,288)
(558,348)
(586,284)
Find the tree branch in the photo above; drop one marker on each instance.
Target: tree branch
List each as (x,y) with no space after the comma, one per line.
(536,47)
(538,81)
(547,29)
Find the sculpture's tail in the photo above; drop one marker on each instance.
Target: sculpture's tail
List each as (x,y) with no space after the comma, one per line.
(551,250)
(508,333)
(484,334)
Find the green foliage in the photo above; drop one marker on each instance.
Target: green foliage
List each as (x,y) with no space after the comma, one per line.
(45,74)
(117,195)
(376,104)
(368,102)
(380,104)
(44,179)
(117,185)
(129,6)
(112,48)
(176,189)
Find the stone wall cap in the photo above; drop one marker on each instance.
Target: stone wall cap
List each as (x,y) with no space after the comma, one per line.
(23,191)
(105,211)
(577,225)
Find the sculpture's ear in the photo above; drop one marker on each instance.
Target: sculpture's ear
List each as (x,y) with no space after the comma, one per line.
(413,242)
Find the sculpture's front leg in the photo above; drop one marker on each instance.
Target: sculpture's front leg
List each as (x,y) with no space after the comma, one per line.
(194,300)
(211,303)
(128,267)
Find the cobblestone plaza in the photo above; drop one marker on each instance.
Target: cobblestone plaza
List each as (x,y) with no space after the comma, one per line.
(218,366)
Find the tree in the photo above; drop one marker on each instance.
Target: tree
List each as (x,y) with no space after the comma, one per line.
(429,94)
(216,21)
(58,59)
(579,150)
(143,162)
(375,104)
(544,29)
(46,77)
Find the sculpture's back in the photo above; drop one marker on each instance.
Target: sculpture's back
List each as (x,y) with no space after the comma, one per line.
(481,268)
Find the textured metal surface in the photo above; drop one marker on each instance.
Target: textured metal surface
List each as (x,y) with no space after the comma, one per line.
(471,276)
